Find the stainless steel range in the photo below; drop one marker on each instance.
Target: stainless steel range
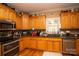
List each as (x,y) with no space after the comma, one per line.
(69,43)
(9,39)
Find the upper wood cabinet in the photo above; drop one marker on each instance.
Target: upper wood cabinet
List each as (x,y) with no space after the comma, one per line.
(33,22)
(41,22)
(38,22)
(7,13)
(65,20)
(25,21)
(69,20)
(77,19)
(3,12)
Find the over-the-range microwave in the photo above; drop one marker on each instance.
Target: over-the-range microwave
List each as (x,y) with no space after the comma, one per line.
(7,25)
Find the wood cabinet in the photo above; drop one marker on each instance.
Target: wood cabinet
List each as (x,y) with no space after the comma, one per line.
(46,44)
(38,22)
(24,43)
(7,13)
(69,20)
(32,44)
(77,19)
(50,46)
(74,23)
(57,46)
(77,46)
(65,20)
(21,45)
(18,22)
(25,21)
(33,20)
(41,22)
(42,44)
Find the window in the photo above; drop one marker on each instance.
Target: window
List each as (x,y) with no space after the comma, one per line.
(53,25)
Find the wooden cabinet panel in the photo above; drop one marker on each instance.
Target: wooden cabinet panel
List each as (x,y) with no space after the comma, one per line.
(41,22)
(2,12)
(27,44)
(57,46)
(32,43)
(77,46)
(38,22)
(50,46)
(7,13)
(21,45)
(42,44)
(74,23)
(78,19)
(18,22)
(34,22)
(25,21)
(65,20)
(69,20)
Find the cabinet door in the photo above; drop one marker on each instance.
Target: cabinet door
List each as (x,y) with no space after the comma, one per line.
(57,46)
(65,20)
(78,20)
(25,19)
(27,42)
(32,22)
(74,24)
(32,43)
(77,46)
(21,45)
(42,22)
(3,12)
(38,22)
(50,46)
(42,44)
(18,22)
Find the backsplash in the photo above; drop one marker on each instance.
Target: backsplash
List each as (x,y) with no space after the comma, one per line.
(72,31)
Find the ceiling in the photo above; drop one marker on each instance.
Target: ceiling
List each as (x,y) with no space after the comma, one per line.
(39,7)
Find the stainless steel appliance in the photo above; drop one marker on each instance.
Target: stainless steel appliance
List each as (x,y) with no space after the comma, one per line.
(7,25)
(9,38)
(69,46)
(9,48)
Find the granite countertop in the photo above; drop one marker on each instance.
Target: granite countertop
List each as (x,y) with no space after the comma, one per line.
(63,37)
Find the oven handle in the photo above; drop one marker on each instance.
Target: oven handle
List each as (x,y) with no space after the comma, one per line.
(10,43)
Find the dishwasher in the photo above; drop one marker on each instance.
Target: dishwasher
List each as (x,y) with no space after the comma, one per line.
(69,46)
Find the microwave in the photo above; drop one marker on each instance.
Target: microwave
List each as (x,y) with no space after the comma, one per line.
(7,25)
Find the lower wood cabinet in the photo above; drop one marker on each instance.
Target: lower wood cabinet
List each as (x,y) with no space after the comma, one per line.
(50,46)
(57,46)
(42,44)
(46,44)
(21,45)
(77,46)
(27,41)
(32,44)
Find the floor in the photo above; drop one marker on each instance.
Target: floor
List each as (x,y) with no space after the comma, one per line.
(33,52)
